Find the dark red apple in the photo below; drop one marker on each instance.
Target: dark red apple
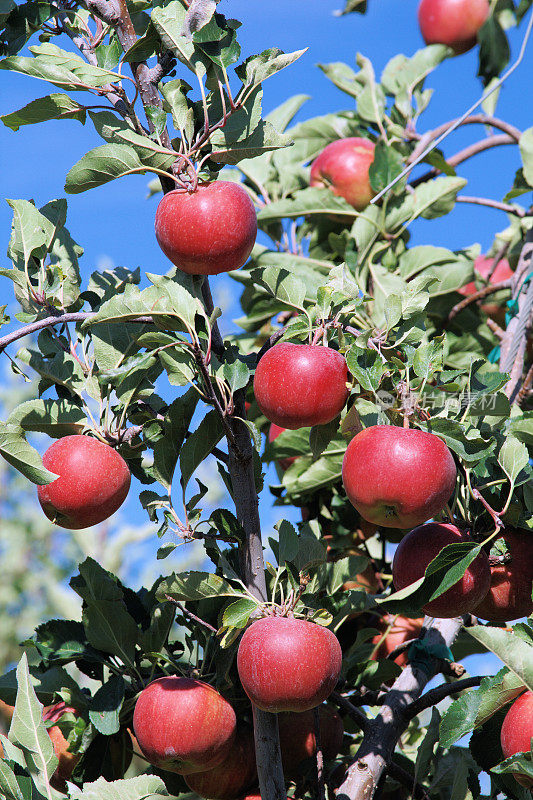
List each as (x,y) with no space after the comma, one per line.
(398,477)
(483,265)
(400,630)
(208,231)
(67,760)
(288,664)
(299,385)
(298,740)
(234,775)
(517,732)
(452,22)
(183,725)
(273,433)
(93,482)
(509,596)
(419,548)
(343,166)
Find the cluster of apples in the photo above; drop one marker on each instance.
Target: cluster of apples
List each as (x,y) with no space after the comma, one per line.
(286,666)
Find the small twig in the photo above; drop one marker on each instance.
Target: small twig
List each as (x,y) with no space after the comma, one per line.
(360,719)
(525,390)
(480,295)
(434,696)
(468,152)
(485,201)
(270,342)
(187,613)
(320,786)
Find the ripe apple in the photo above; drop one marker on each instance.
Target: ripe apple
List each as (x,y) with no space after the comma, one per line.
(483,265)
(517,731)
(183,725)
(208,231)
(67,760)
(6,711)
(298,741)
(93,482)
(299,385)
(343,166)
(402,630)
(397,477)
(288,664)
(273,433)
(419,548)
(509,596)
(452,22)
(234,775)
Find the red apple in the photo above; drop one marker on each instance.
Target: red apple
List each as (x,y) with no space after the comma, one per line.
(67,760)
(397,477)
(288,664)
(452,22)
(509,596)
(183,725)
(254,795)
(401,630)
(299,385)
(298,741)
(517,732)
(93,482)
(273,433)
(208,231)
(419,548)
(343,166)
(234,775)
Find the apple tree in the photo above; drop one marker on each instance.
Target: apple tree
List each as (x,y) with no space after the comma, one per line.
(390,383)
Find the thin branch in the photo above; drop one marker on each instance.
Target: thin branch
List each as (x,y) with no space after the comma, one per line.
(473,119)
(468,152)
(480,295)
(525,390)
(435,696)
(360,719)
(485,201)
(190,615)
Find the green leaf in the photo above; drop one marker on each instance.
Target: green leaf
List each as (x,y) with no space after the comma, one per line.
(387,165)
(194,586)
(513,457)
(53,106)
(27,729)
(320,436)
(366,366)
(436,198)
(474,708)
(85,73)
(169,22)
(510,648)
(108,624)
(199,444)
(307,202)
(106,705)
(61,641)
(175,93)
(21,455)
(258,68)
(288,542)
(237,614)
(101,165)
(31,233)
(494,51)
(115,130)
(56,418)
(143,787)
(281,284)
(263,139)
(9,784)
(526,151)
(175,426)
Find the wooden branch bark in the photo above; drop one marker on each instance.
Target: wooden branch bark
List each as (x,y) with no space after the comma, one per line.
(382,734)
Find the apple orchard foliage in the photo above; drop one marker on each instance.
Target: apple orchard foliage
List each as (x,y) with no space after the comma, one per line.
(350,276)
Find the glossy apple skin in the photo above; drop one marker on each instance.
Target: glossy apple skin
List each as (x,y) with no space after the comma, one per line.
(343,166)
(516,732)
(298,741)
(67,760)
(236,774)
(300,385)
(419,548)
(273,433)
(403,629)
(93,482)
(398,477)
(209,231)
(509,596)
(288,664)
(452,22)
(183,725)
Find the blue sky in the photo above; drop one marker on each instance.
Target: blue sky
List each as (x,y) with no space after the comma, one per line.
(114,223)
